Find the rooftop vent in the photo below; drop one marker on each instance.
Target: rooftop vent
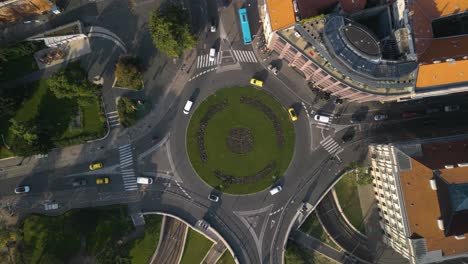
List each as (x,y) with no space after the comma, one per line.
(432,182)
(465,164)
(449,166)
(440,224)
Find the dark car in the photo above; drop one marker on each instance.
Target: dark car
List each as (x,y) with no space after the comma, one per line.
(338,101)
(79,183)
(348,135)
(355,119)
(213,198)
(432,110)
(451,108)
(408,114)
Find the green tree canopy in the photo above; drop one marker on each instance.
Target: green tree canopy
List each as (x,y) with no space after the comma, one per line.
(170,31)
(23,130)
(127,111)
(71,83)
(7,106)
(128,73)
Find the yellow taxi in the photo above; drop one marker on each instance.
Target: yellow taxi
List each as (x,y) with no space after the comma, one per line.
(292,114)
(256,82)
(104,180)
(96,166)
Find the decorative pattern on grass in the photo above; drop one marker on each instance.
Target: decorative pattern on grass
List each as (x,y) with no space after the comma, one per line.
(240,140)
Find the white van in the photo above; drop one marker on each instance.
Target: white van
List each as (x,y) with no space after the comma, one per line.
(187,107)
(275,190)
(322,118)
(144,180)
(212,54)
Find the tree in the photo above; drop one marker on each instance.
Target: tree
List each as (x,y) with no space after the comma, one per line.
(71,83)
(127,111)
(128,73)
(24,131)
(362,175)
(7,106)
(170,31)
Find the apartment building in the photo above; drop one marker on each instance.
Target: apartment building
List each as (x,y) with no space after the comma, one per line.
(421,189)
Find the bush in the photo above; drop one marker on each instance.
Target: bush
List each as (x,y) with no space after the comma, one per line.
(170,31)
(127,111)
(128,73)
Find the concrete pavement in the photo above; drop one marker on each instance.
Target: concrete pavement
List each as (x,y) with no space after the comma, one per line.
(314,244)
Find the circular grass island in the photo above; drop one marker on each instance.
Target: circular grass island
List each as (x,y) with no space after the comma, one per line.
(240,140)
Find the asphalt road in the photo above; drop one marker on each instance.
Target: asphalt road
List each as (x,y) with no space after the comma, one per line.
(255,226)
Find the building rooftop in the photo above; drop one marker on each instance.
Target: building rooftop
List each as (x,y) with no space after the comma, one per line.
(424,205)
(424,12)
(310,8)
(281,14)
(430,75)
(16,10)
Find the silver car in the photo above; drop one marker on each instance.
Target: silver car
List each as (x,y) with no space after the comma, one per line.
(22,189)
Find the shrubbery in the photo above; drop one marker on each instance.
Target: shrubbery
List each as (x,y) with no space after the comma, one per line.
(128,73)
(127,111)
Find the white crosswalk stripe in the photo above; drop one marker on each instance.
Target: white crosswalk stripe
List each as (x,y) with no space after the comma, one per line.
(126,168)
(113,118)
(330,145)
(245,56)
(203,61)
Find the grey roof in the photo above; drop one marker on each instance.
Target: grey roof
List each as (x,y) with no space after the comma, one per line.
(459,196)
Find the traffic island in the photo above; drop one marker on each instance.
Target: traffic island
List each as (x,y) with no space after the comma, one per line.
(240,140)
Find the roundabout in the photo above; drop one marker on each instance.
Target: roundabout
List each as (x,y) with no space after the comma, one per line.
(240,140)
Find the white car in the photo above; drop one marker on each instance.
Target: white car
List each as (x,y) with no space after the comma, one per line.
(322,118)
(451,108)
(187,107)
(275,190)
(144,180)
(212,54)
(22,189)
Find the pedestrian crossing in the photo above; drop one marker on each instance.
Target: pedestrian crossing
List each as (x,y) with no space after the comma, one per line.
(113,118)
(248,56)
(128,174)
(331,146)
(245,56)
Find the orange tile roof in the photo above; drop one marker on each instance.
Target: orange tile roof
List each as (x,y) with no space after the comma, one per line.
(442,73)
(281,14)
(23,8)
(424,12)
(423,210)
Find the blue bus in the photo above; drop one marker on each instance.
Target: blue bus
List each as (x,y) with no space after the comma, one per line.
(244,21)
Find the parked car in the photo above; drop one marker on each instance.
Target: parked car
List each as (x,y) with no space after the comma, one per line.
(292,114)
(213,198)
(322,118)
(213,25)
(432,110)
(103,180)
(144,180)
(22,189)
(256,82)
(79,183)
(187,107)
(408,114)
(451,108)
(355,119)
(380,117)
(96,166)
(338,101)
(273,69)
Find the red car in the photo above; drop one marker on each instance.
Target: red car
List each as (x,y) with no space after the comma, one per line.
(408,114)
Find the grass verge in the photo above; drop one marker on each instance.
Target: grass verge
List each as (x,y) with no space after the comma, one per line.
(312,227)
(296,255)
(141,249)
(196,247)
(226,258)
(348,197)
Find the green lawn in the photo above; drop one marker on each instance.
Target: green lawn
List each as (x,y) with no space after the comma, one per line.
(347,192)
(312,227)
(296,255)
(57,239)
(141,249)
(240,115)
(196,247)
(56,117)
(226,258)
